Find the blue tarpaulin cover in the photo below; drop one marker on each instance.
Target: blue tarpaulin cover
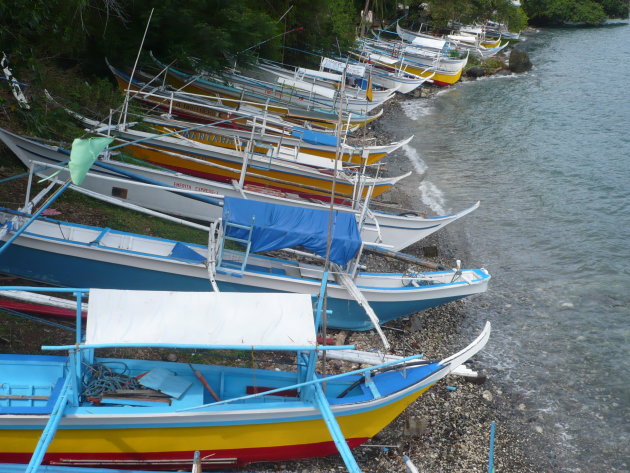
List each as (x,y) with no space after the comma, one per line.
(314,137)
(281,226)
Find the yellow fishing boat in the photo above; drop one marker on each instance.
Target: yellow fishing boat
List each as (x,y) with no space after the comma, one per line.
(265,135)
(289,172)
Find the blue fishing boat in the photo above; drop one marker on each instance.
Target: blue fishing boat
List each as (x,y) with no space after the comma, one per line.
(86,410)
(66,254)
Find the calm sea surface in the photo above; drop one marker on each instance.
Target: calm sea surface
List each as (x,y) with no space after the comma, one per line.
(548,154)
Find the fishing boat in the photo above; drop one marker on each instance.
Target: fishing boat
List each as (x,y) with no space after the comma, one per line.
(199,199)
(86,410)
(438,76)
(356,84)
(287,171)
(463,41)
(404,82)
(305,93)
(204,108)
(268,101)
(396,59)
(270,137)
(239,124)
(436,56)
(66,254)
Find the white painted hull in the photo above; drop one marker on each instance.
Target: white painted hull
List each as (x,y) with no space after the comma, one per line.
(379,96)
(79,256)
(396,231)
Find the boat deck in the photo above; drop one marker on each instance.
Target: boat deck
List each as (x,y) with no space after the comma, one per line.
(45,375)
(31,384)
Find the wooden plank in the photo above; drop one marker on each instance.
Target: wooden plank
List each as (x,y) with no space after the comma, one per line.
(24,397)
(133,401)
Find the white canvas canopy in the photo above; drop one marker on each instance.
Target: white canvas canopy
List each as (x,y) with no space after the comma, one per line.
(319,90)
(428,42)
(199,318)
(332,64)
(333,76)
(384,59)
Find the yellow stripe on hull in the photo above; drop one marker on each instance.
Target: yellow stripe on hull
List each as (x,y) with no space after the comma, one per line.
(363,425)
(289,114)
(227,142)
(268,178)
(439,77)
(489,44)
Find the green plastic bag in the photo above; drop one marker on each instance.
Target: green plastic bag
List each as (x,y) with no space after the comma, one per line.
(83,154)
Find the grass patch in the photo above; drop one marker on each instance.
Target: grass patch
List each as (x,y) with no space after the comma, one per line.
(79,208)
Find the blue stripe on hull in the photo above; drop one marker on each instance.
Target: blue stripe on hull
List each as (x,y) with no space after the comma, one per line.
(70,271)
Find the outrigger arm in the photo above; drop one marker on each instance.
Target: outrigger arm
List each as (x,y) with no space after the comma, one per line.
(51,426)
(35,215)
(335,430)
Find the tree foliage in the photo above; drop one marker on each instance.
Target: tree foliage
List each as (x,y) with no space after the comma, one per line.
(81,33)
(321,26)
(590,12)
(441,12)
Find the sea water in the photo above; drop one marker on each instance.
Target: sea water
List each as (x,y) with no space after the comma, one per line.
(547,153)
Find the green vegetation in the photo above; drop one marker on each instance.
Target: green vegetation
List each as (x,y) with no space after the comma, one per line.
(439,13)
(589,12)
(124,219)
(78,208)
(62,44)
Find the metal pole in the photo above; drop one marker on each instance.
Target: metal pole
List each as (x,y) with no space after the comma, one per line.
(491,453)
(35,215)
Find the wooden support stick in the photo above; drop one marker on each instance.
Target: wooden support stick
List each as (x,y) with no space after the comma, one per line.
(24,397)
(404,257)
(204,382)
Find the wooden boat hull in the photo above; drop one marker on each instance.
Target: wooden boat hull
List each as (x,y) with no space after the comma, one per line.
(225,138)
(439,78)
(319,187)
(72,255)
(233,97)
(233,445)
(199,107)
(301,98)
(491,43)
(405,83)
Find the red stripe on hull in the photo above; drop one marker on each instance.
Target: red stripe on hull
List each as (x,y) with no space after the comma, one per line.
(171,460)
(41,309)
(227,179)
(440,83)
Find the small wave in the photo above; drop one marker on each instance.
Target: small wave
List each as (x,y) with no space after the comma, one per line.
(433,197)
(416,109)
(430,194)
(512,75)
(416,160)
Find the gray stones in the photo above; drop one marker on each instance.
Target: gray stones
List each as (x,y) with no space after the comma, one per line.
(475,72)
(519,61)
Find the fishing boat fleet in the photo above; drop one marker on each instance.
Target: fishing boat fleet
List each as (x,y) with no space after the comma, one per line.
(263,160)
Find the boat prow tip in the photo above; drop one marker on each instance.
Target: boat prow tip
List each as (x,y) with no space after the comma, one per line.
(453,361)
